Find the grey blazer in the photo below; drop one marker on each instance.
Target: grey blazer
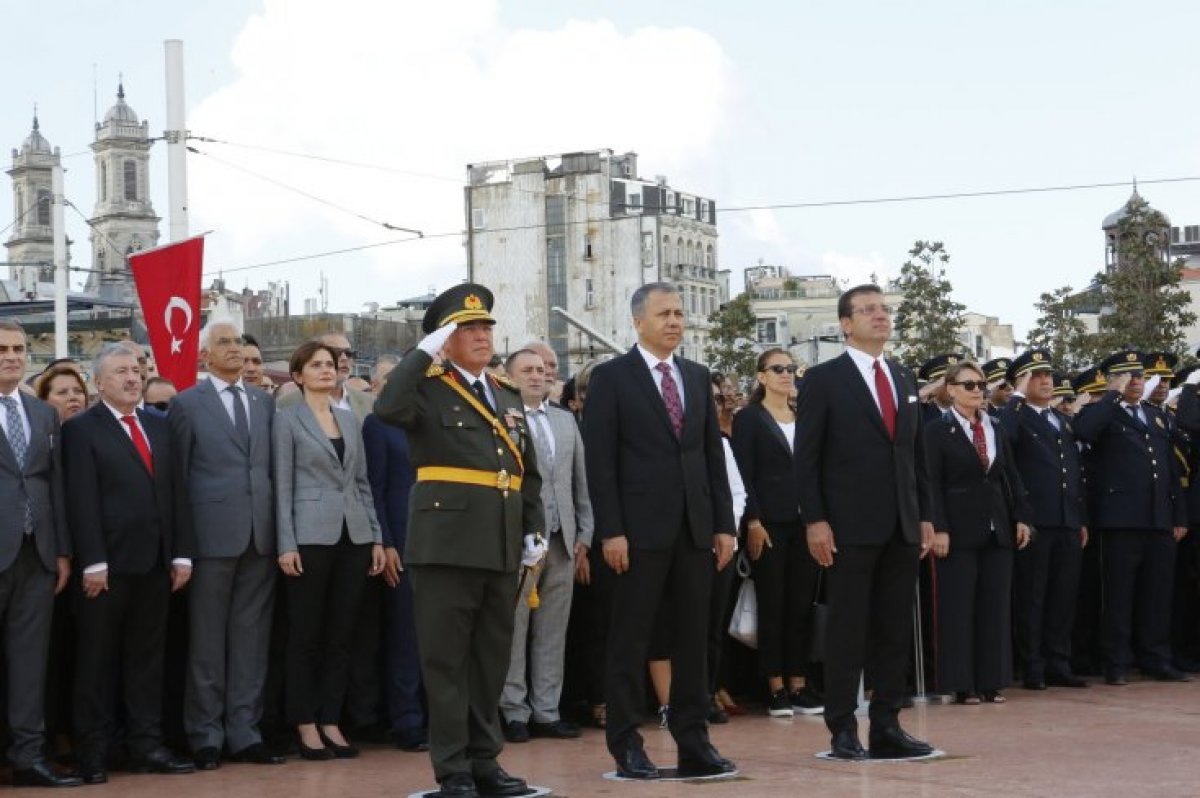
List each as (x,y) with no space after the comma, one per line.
(361,403)
(314,491)
(229,488)
(568,480)
(41,481)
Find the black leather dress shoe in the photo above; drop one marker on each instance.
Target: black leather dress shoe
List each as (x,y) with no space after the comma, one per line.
(1065,680)
(1034,684)
(634,764)
(893,742)
(1117,678)
(42,774)
(207,758)
(555,730)
(161,761)
(256,754)
(516,731)
(500,783)
(457,785)
(845,745)
(413,741)
(1167,673)
(92,770)
(704,763)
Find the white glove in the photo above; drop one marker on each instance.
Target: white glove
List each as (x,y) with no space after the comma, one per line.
(1149,387)
(432,344)
(533,550)
(1193,378)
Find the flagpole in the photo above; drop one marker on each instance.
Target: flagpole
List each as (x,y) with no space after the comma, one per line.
(176,136)
(57,228)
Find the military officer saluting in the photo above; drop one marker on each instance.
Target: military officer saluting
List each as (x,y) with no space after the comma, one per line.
(475,517)
(999,388)
(1047,570)
(934,399)
(1140,512)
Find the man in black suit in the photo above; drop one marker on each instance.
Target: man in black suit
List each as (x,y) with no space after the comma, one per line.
(864,494)
(1047,571)
(662,505)
(130,527)
(1140,512)
(34,547)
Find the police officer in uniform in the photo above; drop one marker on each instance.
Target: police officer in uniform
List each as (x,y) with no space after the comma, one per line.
(934,399)
(1139,510)
(475,517)
(1047,570)
(999,388)
(1089,385)
(1185,632)
(1064,395)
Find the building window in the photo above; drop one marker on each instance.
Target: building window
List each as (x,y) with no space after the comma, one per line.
(104,181)
(635,204)
(704,210)
(669,202)
(767,332)
(478,221)
(679,253)
(1191,233)
(689,206)
(587,247)
(589,295)
(43,208)
(131,192)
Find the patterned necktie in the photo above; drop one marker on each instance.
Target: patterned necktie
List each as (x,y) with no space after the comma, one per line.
(670,394)
(482,394)
(980,441)
(240,422)
(139,441)
(887,404)
(20,447)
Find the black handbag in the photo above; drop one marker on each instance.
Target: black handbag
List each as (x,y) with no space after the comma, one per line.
(818,624)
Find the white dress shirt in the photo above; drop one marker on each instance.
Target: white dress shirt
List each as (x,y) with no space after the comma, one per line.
(227,397)
(989,434)
(540,416)
(652,364)
(866,367)
(470,378)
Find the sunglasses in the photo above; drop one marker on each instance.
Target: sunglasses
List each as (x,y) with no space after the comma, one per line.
(778,369)
(971,385)
(350,353)
(161,405)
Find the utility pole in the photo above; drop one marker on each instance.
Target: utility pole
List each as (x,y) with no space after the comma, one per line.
(176,137)
(59,233)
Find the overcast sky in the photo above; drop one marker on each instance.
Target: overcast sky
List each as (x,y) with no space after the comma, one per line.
(752,104)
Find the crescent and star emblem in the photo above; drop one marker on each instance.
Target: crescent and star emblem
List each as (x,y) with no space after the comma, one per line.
(177,303)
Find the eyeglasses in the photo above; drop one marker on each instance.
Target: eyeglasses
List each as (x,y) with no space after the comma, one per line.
(971,385)
(871,310)
(778,369)
(350,353)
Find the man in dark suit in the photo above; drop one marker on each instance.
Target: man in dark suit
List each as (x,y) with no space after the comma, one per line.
(129,523)
(864,494)
(1140,512)
(661,501)
(1047,571)
(222,432)
(475,516)
(34,547)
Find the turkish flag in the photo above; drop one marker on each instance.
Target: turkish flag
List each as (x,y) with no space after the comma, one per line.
(168,284)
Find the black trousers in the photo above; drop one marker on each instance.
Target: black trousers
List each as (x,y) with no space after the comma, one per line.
(1086,650)
(720,607)
(1185,619)
(974,632)
(870,591)
(323,606)
(402,670)
(125,627)
(1139,575)
(785,581)
(676,581)
(364,691)
(1047,584)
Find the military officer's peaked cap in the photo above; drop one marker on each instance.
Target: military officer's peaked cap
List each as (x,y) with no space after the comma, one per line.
(1028,363)
(996,369)
(463,303)
(1160,364)
(935,368)
(1126,362)
(1063,386)
(1090,381)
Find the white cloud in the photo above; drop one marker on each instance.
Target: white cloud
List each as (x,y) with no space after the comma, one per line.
(426,88)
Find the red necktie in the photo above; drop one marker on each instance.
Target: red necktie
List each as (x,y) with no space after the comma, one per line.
(980,441)
(887,404)
(139,441)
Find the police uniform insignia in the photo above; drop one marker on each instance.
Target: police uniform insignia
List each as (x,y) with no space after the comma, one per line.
(1159,421)
(1037,357)
(505,382)
(434,370)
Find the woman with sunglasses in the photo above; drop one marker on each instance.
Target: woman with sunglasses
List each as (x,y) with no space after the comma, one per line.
(785,576)
(980,516)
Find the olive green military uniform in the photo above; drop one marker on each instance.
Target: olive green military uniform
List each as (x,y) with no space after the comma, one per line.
(472,503)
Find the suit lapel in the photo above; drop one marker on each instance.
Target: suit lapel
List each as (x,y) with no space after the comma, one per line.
(645,381)
(216,407)
(773,428)
(309,422)
(260,419)
(7,456)
(857,388)
(116,431)
(693,399)
(903,416)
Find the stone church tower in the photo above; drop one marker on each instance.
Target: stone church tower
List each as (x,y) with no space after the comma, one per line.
(124,220)
(31,244)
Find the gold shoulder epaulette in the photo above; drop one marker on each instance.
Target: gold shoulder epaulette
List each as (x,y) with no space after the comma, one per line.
(503,380)
(434,370)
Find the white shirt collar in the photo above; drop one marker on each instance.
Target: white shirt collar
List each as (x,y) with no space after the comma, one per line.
(117,413)
(541,406)
(471,378)
(966,423)
(16,394)
(221,385)
(864,361)
(652,360)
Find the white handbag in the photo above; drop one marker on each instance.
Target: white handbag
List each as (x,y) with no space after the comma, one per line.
(743,625)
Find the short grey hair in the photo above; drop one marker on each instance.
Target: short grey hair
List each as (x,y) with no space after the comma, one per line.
(383,360)
(219,321)
(637,303)
(106,353)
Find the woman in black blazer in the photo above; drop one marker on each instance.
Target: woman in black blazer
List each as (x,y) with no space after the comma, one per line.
(785,576)
(979,516)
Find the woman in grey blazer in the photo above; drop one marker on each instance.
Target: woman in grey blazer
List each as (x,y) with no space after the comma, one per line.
(329,544)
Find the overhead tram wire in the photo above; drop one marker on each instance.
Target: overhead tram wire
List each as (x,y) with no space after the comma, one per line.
(747,208)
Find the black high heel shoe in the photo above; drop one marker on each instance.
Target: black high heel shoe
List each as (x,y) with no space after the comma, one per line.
(339,751)
(313,754)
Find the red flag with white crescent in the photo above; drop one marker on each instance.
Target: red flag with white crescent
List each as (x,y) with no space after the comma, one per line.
(168,284)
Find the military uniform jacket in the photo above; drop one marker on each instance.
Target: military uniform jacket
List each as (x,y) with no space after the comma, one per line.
(450,523)
(1187,422)
(1049,462)
(1135,480)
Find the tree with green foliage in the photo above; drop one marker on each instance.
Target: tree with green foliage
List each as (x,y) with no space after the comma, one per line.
(928,321)
(731,348)
(1142,304)
(1060,331)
